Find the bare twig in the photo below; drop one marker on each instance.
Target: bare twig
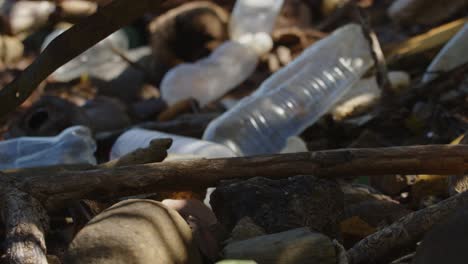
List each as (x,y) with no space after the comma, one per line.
(70,44)
(155,152)
(377,53)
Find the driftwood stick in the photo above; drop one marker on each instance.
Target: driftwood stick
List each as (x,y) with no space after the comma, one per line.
(61,185)
(70,44)
(401,237)
(26,221)
(155,152)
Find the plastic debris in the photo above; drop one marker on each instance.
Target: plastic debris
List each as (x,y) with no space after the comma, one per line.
(294,97)
(74,145)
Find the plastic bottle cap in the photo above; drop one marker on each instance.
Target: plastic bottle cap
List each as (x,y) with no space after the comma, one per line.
(261,42)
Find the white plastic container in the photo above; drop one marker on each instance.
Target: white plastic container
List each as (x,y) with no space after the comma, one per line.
(296,96)
(98,61)
(182,147)
(74,145)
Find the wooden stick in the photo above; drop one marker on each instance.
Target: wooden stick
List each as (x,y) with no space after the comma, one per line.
(376,51)
(155,152)
(70,44)
(25,223)
(56,186)
(401,237)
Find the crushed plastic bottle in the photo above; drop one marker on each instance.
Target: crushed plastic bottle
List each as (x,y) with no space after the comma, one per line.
(98,61)
(74,145)
(209,78)
(231,63)
(453,54)
(296,96)
(182,147)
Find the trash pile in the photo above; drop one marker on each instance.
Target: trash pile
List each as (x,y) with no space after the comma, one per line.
(234,131)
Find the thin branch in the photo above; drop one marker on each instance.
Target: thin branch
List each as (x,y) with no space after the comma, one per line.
(70,44)
(56,186)
(376,51)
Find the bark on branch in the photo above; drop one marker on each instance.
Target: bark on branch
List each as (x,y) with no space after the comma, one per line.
(58,185)
(26,221)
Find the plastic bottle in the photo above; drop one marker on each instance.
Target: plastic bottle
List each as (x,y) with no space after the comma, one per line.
(253,17)
(74,145)
(294,97)
(182,147)
(453,54)
(231,63)
(96,61)
(211,77)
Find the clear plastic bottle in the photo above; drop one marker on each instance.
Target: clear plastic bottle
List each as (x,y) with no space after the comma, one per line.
(209,78)
(182,147)
(230,64)
(453,54)
(95,61)
(74,145)
(295,97)
(252,17)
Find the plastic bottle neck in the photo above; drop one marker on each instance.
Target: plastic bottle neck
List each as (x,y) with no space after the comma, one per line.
(260,42)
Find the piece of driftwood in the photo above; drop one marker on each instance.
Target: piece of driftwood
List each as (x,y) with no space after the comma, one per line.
(70,44)
(26,222)
(62,184)
(401,237)
(155,152)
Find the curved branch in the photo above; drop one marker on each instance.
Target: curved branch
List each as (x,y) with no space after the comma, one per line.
(70,44)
